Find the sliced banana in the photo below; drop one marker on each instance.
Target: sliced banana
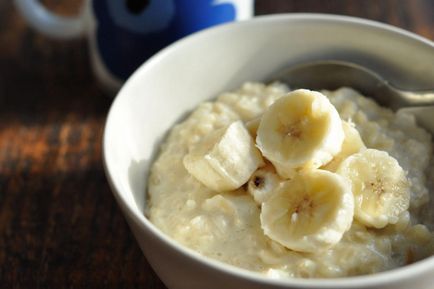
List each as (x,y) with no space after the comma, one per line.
(262,183)
(309,212)
(352,144)
(252,126)
(225,159)
(300,130)
(380,187)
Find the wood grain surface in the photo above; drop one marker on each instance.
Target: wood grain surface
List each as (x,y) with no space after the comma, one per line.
(59,224)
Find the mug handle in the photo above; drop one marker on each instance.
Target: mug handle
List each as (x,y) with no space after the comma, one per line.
(50,24)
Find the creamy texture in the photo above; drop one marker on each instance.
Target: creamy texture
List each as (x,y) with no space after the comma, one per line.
(226,226)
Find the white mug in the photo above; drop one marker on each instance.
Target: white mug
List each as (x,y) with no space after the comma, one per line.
(122,34)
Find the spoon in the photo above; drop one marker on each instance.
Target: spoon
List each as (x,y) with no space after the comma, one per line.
(332,74)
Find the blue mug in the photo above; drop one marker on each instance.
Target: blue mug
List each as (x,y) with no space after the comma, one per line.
(122,34)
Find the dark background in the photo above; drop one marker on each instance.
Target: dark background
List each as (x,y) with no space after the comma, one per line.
(59,224)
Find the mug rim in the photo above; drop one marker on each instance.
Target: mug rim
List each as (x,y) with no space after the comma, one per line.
(380,278)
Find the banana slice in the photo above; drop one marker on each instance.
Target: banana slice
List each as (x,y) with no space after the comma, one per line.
(262,183)
(309,212)
(225,159)
(380,187)
(300,130)
(252,126)
(352,144)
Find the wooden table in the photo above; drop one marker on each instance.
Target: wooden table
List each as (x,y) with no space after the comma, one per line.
(59,224)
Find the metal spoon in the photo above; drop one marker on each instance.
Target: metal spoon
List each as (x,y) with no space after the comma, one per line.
(332,74)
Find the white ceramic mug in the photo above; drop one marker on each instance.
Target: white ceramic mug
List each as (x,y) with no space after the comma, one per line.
(122,34)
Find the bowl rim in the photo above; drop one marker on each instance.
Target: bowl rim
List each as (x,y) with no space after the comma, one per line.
(397,274)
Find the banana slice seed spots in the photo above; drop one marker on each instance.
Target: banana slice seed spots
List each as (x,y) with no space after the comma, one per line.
(292,129)
(258,181)
(377,187)
(306,203)
(305,207)
(302,215)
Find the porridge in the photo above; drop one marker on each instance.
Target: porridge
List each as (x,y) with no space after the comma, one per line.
(319,185)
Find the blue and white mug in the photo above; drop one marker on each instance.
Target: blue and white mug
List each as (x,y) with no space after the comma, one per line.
(122,34)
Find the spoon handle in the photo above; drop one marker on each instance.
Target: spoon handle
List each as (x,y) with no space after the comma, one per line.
(416,98)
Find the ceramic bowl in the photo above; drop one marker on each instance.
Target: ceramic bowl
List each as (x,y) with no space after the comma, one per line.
(197,68)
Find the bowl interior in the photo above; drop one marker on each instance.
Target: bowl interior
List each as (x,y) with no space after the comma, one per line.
(199,67)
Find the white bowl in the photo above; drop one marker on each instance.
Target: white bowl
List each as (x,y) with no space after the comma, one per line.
(197,68)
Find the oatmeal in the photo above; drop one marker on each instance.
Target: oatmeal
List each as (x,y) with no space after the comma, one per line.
(230,213)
